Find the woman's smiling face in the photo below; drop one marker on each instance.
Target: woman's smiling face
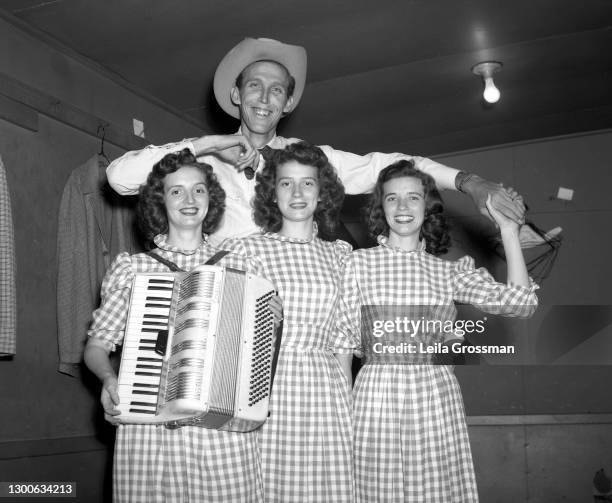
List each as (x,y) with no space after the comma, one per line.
(404,206)
(297,191)
(186,198)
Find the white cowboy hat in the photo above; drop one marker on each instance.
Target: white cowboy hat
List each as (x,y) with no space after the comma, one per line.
(293,57)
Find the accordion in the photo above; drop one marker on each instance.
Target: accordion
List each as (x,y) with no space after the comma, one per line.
(198,350)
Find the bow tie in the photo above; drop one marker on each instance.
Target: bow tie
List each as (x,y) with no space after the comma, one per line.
(265,152)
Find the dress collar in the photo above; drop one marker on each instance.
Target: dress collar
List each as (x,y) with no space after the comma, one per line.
(161,241)
(279,237)
(384,242)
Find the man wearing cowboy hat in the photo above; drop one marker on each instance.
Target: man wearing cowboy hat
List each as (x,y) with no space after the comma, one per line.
(258,82)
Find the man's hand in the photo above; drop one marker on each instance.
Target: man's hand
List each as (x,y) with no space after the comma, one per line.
(234,149)
(504,200)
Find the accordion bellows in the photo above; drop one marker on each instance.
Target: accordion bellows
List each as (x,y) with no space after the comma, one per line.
(198,350)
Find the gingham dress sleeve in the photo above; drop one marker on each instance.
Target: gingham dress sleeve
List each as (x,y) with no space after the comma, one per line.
(109,319)
(233,245)
(348,312)
(240,254)
(341,342)
(479,288)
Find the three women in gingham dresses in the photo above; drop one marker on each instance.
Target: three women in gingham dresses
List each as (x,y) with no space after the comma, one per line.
(411,440)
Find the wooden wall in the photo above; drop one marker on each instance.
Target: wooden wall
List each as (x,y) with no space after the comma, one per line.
(51,427)
(541,430)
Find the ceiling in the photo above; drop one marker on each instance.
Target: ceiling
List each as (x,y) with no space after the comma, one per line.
(383,75)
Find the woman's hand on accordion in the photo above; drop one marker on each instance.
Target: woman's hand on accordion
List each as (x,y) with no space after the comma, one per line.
(109,398)
(96,359)
(276,306)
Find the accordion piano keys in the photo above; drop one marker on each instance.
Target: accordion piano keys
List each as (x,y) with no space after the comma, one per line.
(216,370)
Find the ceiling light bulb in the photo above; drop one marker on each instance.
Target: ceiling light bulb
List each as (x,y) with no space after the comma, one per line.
(491,94)
(485,70)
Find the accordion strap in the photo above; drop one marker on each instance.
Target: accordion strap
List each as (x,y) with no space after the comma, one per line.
(175,268)
(171,265)
(216,257)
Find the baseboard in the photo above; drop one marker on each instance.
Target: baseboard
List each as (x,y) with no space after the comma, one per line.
(15,449)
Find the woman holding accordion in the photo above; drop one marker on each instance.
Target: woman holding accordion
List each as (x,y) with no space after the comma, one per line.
(178,206)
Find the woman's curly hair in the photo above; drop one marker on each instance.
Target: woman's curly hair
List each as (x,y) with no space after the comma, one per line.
(331,191)
(435,227)
(151,209)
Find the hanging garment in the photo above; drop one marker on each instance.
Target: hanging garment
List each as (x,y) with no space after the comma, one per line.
(8,296)
(95,224)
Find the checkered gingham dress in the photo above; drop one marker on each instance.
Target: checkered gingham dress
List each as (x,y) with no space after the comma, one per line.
(411,439)
(188,464)
(306,441)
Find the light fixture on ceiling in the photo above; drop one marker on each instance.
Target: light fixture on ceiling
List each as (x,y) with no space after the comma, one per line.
(486,69)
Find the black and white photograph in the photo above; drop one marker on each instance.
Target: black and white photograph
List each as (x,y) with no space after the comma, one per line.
(306,252)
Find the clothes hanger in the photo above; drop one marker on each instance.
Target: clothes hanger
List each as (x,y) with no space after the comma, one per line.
(102,127)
